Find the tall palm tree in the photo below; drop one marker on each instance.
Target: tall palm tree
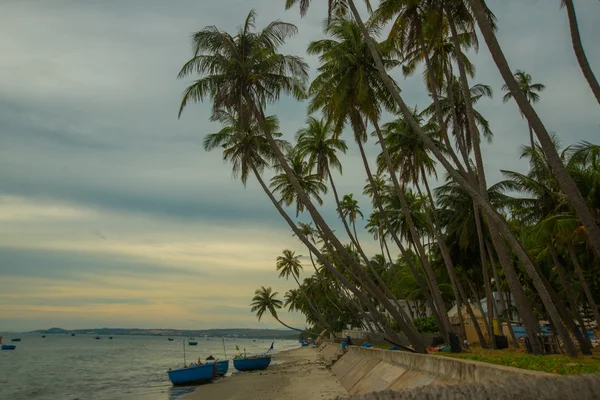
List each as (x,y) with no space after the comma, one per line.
(578,48)
(244,72)
(530,90)
(311,183)
(289,264)
(265,301)
(350,209)
(566,182)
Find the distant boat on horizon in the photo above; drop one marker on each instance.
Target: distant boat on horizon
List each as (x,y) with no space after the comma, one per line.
(192,338)
(15,340)
(110,337)
(72,334)
(43,336)
(192,343)
(97,338)
(8,347)
(170,339)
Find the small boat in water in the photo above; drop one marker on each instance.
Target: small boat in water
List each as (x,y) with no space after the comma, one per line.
(192,343)
(170,339)
(72,334)
(43,336)
(193,374)
(110,337)
(252,363)
(15,340)
(8,347)
(97,338)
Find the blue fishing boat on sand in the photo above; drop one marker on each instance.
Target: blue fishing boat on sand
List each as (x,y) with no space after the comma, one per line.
(193,374)
(192,343)
(15,340)
(253,363)
(222,366)
(8,347)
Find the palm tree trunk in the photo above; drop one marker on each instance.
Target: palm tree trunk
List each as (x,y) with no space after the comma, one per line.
(586,288)
(436,294)
(572,303)
(578,49)
(531,139)
(565,316)
(292,328)
(477,302)
(462,180)
(415,342)
(565,180)
(456,284)
(503,305)
(486,278)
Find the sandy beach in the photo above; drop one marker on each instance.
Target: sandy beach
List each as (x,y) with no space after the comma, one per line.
(295,375)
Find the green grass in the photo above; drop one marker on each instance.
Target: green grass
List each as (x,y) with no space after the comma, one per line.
(553,364)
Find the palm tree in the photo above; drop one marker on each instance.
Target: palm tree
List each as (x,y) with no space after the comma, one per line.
(243,73)
(265,300)
(350,209)
(566,182)
(530,90)
(578,48)
(311,183)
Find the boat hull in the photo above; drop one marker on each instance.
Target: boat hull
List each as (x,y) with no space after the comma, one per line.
(222,367)
(15,340)
(192,343)
(8,347)
(252,364)
(193,375)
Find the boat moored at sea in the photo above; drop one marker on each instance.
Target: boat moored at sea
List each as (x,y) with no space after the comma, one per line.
(8,347)
(15,340)
(252,363)
(192,343)
(194,374)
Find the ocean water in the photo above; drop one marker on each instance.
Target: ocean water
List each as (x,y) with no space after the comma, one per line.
(64,367)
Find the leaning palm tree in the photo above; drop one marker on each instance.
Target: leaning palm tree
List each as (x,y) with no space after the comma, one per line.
(578,48)
(530,90)
(311,183)
(350,209)
(265,301)
(289,264)
(243,73)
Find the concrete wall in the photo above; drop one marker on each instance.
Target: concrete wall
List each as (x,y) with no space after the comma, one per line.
(363,370)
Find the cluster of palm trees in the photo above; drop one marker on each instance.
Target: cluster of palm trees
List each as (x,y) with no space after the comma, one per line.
(454,244)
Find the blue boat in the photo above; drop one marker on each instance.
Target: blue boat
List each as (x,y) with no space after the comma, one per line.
(252,363)
(8,347)
(192,343)
(222,367)
(15,340)
(193,374)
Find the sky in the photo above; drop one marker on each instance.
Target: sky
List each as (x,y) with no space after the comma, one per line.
(111,213)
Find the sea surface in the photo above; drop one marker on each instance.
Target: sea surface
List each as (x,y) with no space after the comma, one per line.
(79,367)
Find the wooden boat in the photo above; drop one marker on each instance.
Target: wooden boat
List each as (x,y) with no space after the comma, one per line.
(170,339)
(253,363)
(15,340)
(8,347)
(192,343)
(193,374)
(222,366)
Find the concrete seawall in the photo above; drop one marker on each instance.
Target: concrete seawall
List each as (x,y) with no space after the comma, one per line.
(395,374)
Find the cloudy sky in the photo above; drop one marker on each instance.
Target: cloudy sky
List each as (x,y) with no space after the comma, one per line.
(111,214)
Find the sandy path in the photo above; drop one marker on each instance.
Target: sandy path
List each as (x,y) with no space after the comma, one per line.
(298,375)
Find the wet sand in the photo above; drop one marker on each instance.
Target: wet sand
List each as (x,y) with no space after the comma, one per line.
(297,375)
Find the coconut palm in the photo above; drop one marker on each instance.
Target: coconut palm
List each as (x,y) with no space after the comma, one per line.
(530,90)
(566,182)
(310,183)
(350,209)
(578,48)
(265,301)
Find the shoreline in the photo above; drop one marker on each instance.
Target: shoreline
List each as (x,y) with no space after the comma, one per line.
(297,374)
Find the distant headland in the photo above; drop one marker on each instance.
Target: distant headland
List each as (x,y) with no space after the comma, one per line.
(229,333)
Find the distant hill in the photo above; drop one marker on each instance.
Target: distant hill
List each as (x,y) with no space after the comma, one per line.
(240,333)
